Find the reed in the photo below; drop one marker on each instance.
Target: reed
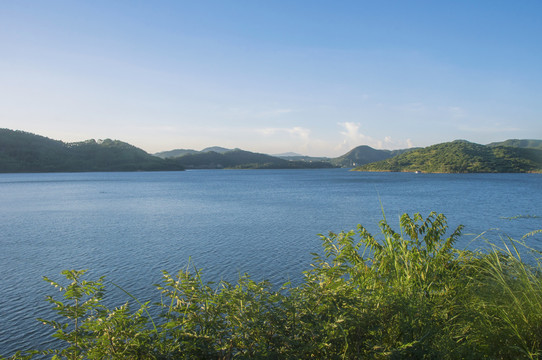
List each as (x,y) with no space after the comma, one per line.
(507,293)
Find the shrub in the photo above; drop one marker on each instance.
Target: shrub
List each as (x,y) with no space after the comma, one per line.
(410,294)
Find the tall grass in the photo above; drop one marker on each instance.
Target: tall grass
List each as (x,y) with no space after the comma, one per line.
(507,292)
(407,294)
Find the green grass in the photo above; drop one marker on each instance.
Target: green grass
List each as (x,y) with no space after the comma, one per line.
(407,294)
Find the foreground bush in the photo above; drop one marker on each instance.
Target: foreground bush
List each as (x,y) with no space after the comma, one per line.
(410,294)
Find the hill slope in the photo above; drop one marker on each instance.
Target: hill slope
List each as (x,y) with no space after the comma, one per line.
(175,153)
(182,152)
(364,154)
(462,157)
(521,143)
(208,158)
(240,159)
(25,152)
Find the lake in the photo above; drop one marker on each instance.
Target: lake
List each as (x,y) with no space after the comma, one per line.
(130,226)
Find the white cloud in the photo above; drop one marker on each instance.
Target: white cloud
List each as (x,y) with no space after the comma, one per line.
(299,132)
(352,137)
(352,131)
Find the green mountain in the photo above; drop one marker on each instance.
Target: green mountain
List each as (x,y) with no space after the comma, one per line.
(297,157)
(364,154)
(237,158)
(217,149)
(358,156)
(25,152)
(462,157)
(175,153)
(523,143)
(240,159)
(182,152)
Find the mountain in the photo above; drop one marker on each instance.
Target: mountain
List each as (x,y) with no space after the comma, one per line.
(364,154)
(175,153)
(25,152)
(288,154)
(241,159)
(461,156)
(523,143)
(361,155)
(303,158)
(216,149)
(182,152)
(292,156)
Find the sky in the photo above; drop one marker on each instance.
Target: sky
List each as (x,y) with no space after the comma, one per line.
(306,76)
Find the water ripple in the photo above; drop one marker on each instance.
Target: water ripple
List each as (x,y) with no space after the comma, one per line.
(131,226)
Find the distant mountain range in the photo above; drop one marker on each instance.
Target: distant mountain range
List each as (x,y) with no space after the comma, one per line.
(182,152)
(527,144)
(25,152)
(218,157)
(240,159)
(359,156)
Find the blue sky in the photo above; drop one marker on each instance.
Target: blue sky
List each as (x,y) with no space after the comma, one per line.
(312,77)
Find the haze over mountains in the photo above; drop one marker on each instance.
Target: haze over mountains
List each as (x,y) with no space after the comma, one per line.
(25,152)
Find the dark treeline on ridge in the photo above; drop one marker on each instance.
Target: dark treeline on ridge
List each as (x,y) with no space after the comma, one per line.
(25,152)
(240,159)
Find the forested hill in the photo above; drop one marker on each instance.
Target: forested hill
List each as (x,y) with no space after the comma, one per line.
(462,157)
(236,158)
(181,152)
(24,152)
(522,143)
(240,159)
(364,154)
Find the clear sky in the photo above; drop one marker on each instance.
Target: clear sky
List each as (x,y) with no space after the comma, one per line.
(308,76)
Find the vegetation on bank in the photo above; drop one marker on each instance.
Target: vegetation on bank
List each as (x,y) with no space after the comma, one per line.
(463,157)
(409,294)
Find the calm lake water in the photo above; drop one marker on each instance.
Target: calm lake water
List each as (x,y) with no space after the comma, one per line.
(130,226)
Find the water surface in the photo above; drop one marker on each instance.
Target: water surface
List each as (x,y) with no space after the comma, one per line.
(130,226)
